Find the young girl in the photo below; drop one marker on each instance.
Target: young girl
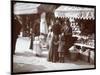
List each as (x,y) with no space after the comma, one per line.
(55,44)
(37,46)
(61,48)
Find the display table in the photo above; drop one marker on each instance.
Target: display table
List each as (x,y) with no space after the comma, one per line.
(87,55)
(83,45)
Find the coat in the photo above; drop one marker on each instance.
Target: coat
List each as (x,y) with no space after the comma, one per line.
(61,47)
(56,29)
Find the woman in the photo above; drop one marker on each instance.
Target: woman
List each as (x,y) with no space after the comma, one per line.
(53,49)
(67,30)
(49,43)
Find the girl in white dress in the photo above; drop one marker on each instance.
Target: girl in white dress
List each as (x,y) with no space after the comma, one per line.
(37,46)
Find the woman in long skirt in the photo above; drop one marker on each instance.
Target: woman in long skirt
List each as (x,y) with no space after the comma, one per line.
(53,51)
(54,48)
(49,42)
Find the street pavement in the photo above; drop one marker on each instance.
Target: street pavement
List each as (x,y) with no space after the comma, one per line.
(25,60)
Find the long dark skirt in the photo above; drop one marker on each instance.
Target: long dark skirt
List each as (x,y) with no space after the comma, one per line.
(53,54)
(31,43)
(68,43)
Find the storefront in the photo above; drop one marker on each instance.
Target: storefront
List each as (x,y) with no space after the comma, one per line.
(30,15)
(27,14)
(82,21)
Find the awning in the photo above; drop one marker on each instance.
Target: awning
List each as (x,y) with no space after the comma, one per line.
(75,12)
(25,8)
(47,8)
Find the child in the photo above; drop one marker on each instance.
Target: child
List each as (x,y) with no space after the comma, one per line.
(37,46)
(61,49)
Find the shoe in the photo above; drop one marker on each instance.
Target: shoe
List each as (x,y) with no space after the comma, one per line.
(38,55)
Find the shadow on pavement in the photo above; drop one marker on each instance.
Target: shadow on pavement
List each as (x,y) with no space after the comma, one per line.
(21,67)
(25,54)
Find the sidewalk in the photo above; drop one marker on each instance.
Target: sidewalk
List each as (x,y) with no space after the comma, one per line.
(26,61)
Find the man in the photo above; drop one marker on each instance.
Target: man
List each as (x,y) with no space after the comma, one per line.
(67,30)
(56,28)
